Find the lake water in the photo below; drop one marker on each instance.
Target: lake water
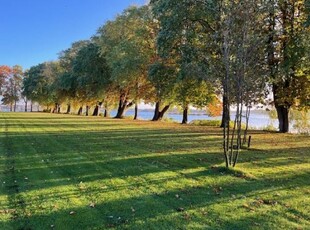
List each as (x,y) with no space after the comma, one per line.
(259,119)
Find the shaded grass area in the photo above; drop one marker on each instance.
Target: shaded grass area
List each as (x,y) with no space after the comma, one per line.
(69,172)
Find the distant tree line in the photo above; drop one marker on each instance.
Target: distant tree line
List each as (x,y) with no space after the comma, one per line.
(183,53)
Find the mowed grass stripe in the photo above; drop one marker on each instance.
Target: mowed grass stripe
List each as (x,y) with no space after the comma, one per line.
(6,210)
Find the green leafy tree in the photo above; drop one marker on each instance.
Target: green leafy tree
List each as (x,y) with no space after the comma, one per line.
(182,38)
(67,86)
(287,54)
(128,45)
(191,91)
(38,85)
(220,42)
(163,77)
(93,75)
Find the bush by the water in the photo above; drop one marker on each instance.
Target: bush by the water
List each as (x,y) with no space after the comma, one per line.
(206,122)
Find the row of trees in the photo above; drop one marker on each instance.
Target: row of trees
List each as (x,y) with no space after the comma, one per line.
(118,64)
(183,53)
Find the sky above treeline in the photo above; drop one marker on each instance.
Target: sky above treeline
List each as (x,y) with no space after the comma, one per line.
(35,31)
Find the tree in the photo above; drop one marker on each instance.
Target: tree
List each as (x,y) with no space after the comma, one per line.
(163,77)
(183,38)
(220,38)
(191,91)
(93,74)
(287,27)
(128,45)
(38,85)
(12,87)
(5,72)
(68,81)
(244,81)
(189,35)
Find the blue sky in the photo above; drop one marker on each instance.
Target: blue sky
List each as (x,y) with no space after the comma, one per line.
(34,31)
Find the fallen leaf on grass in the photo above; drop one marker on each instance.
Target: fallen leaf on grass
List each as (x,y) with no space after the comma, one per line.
(218,190)
(92,205)
(186,216)
(7,211)
(205,213)
(270,202)
(248,207)
(72,213)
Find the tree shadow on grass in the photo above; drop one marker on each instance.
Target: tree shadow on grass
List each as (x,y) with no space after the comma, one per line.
(71,160)
(167,209)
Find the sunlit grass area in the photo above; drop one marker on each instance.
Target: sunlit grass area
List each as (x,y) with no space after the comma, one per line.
(70,172)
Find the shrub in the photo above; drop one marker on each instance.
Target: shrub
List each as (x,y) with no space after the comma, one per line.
(216,123)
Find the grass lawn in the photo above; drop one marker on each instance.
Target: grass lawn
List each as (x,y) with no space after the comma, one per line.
(70,172)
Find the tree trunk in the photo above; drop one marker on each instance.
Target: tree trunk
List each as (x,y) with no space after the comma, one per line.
(136,112)
(123,105)
(11,107)
(96,111)
(26,104)
(80,110)
(68,109)
(106,113)
(185,115)
(14,106)
(158,115)
(247,118)
(162,113)
(156,111)
(282,113)
(31,107)
(55,109)
(225,113)
(58,108)
(120,112)
(87,110)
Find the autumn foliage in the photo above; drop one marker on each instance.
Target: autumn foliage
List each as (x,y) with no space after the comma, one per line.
(215,108)
(5,71)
